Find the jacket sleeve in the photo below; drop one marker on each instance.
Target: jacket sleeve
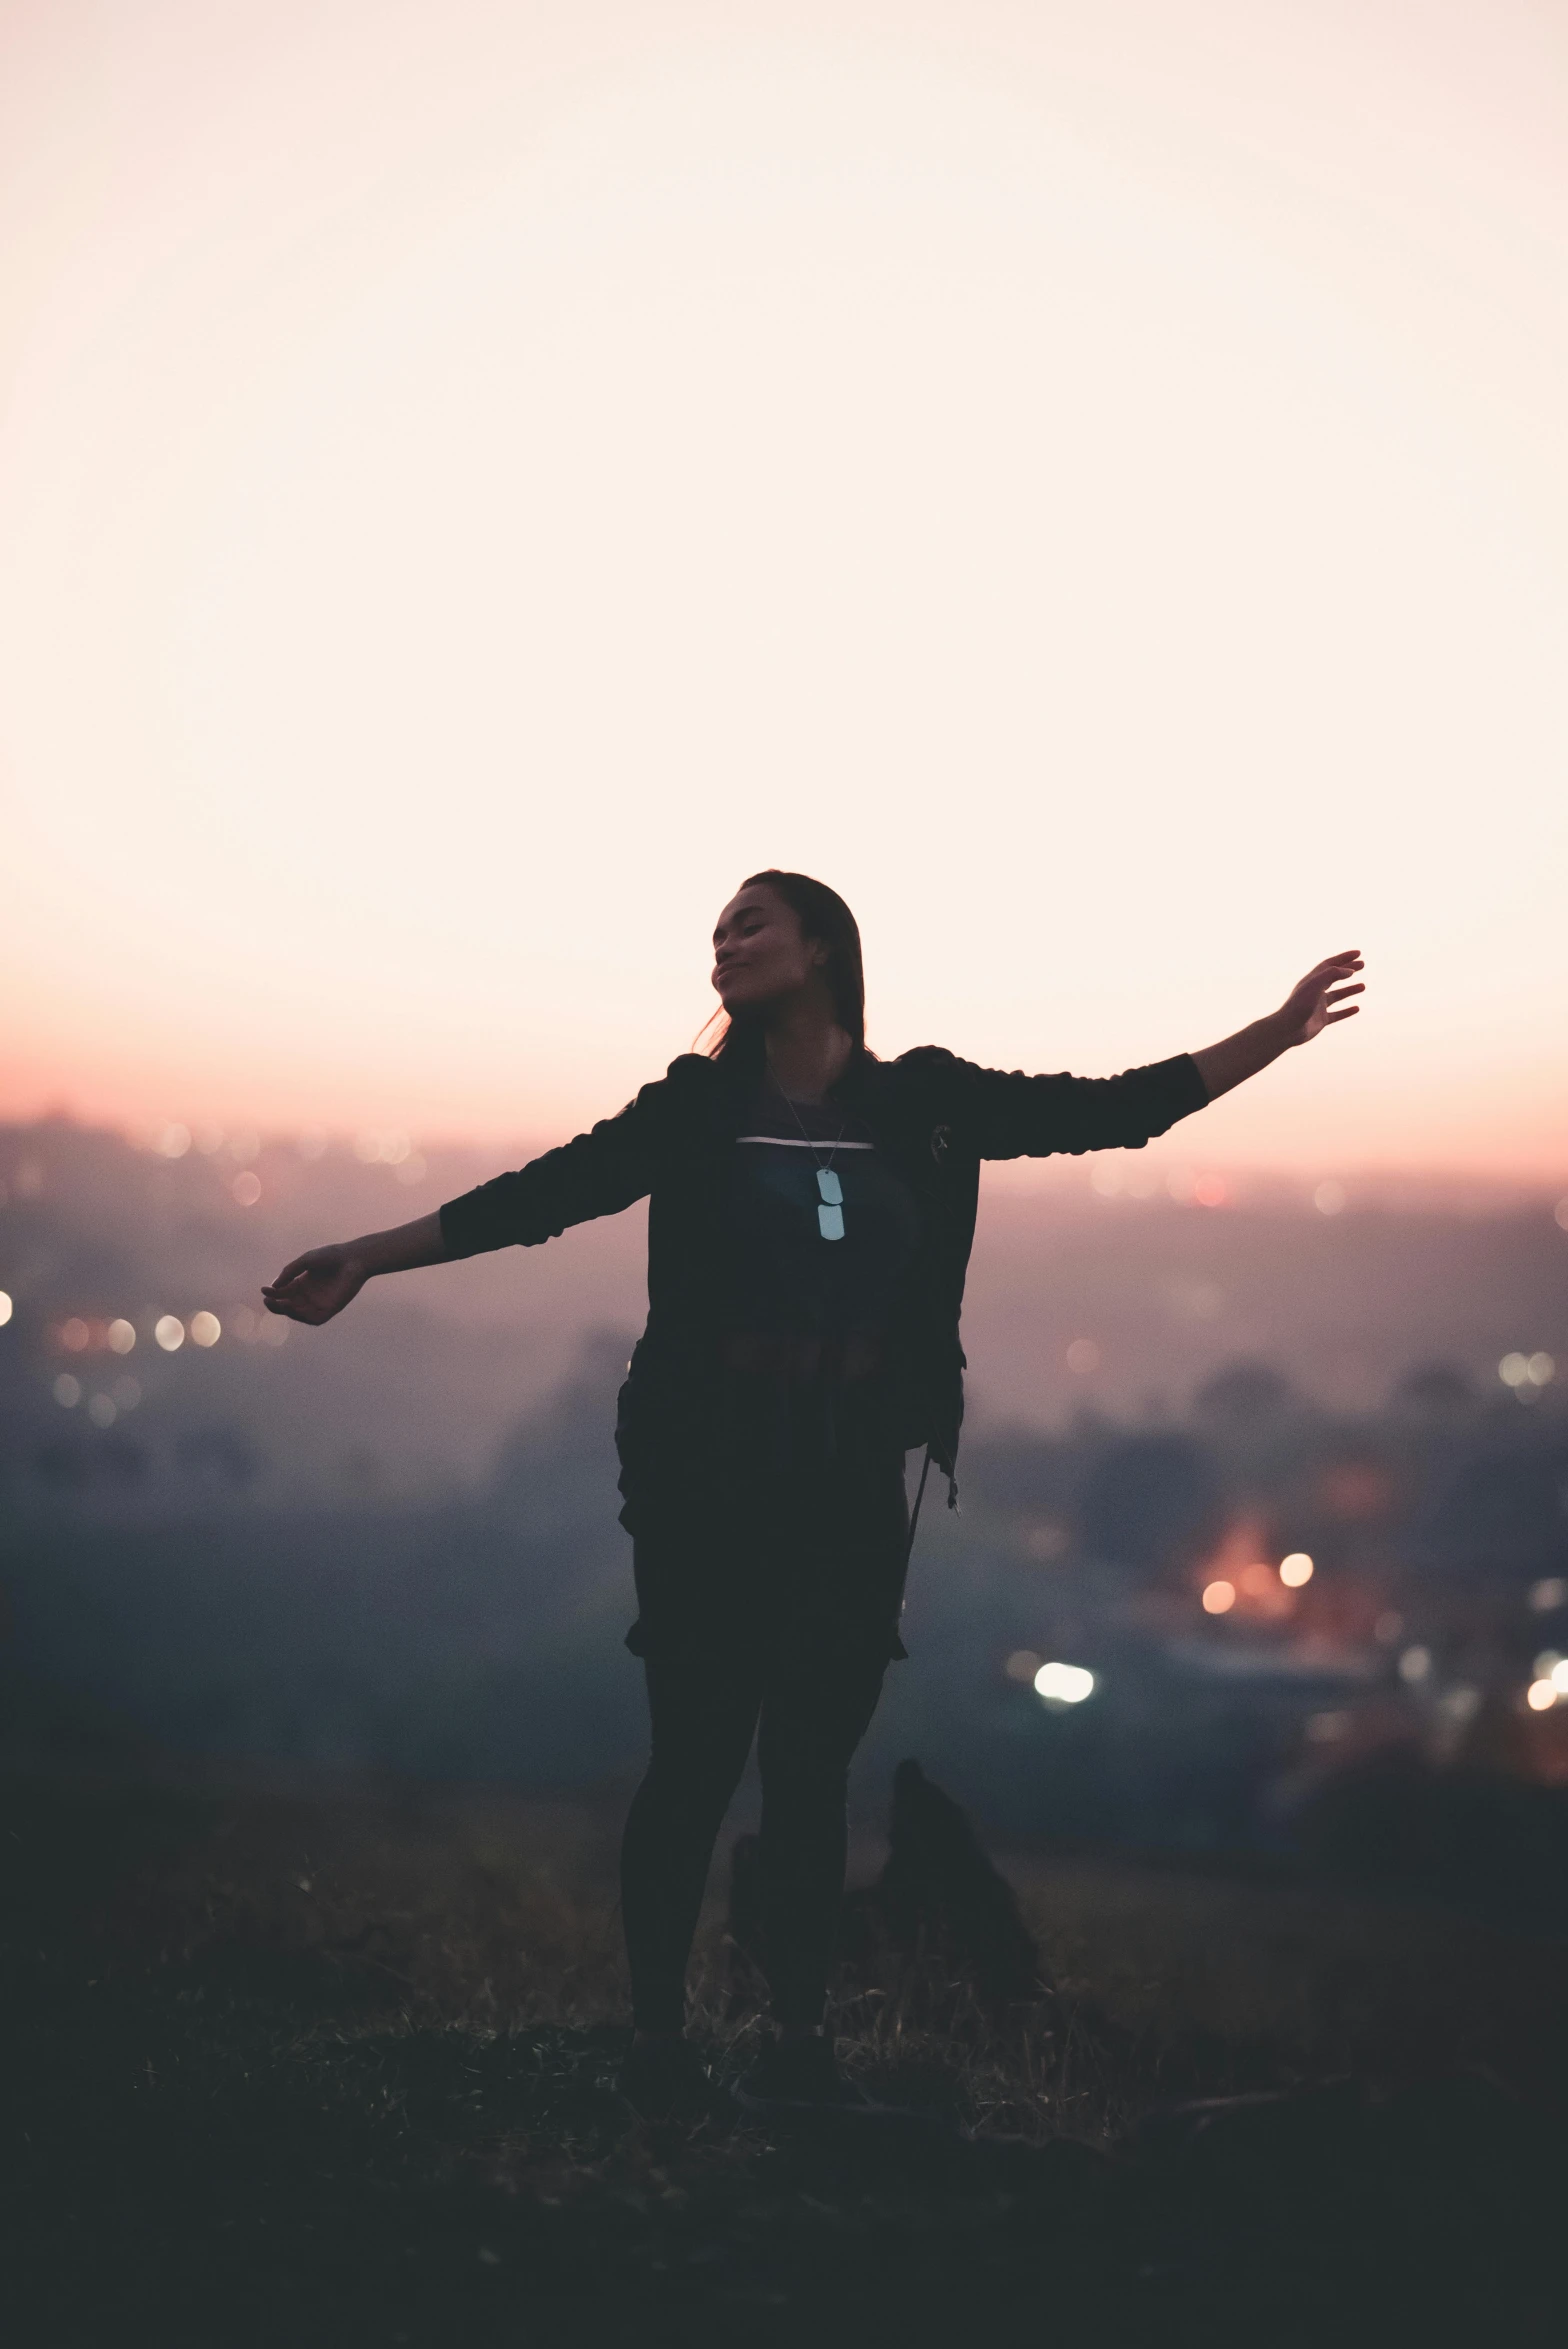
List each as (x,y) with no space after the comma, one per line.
(598,1173)
(1004,1114)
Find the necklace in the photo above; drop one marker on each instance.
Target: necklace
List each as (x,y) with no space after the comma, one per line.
(830,1191)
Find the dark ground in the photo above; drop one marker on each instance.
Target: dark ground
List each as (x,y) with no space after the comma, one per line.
(337,2067)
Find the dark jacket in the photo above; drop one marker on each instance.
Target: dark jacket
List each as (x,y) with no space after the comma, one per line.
(935,1116)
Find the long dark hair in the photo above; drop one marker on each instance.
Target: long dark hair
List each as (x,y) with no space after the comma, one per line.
(822,915)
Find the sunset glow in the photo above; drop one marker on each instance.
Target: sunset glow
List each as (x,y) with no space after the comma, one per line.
(1090,483)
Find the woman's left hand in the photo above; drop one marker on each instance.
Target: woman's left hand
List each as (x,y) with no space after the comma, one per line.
(1310,1007)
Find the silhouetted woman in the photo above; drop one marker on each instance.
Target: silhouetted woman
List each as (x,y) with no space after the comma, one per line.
(811,1209)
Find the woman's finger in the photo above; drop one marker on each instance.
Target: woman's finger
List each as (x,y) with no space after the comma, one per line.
(1348,1013)
(1338,994)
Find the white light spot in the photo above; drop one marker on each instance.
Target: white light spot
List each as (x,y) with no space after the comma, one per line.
(122,1336)
(246,1188)
(102,1410)
(1329,1198)
(206,1329)
(1218,1597)
(1415,1665)
(1545,1664)
(170,1333)
(1295,1570)
(1541,1695)
(6,1307)
(67,1391)
(1514,1370)
(1540,1370)
(1063,1684)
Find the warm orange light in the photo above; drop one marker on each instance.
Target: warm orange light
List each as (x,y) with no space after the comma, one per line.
(1218,1597)
(1540,1696)
(1257,1580)
(1295,1570)
(1210,1191)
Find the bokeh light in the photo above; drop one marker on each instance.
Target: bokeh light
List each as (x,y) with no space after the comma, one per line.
(1296,1570)
(1329,1198)
(102,1410)
(1022,1665)
(75,1336)
(1064,1684)
(67,1391)
(169,1331)
(1218,1596)
(6,1307)
(246,1188)
(122,1336)
(1415,1665)
(1541,1695)
(206,1329)
(1083,1355)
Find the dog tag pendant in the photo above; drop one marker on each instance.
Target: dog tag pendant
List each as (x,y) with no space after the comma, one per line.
(830,1215)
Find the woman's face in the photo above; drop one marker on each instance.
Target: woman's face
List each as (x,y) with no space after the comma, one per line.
(759,955)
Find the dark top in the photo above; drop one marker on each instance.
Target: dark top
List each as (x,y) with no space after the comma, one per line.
(819,1235)
(933,1119)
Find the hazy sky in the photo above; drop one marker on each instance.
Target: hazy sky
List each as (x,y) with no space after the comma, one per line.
(1089,480)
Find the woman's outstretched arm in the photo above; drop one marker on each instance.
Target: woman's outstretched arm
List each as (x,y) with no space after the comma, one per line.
(1306,1011)
(320,1283)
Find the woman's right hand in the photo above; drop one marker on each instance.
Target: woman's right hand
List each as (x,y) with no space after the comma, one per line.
(318,1284)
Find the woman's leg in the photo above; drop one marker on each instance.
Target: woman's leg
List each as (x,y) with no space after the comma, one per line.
(815,1711)
(703,1707)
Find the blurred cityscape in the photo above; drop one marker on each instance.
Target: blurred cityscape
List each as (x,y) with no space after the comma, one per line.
(1263,1545)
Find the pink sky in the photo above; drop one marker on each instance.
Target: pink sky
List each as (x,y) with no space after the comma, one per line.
(1089,482)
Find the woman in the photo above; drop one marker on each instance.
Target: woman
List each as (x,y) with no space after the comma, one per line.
(811,1209)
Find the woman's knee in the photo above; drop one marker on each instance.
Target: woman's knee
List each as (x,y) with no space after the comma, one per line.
(695,1782)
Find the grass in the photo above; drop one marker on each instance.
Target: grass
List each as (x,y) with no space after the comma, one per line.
(339,2066)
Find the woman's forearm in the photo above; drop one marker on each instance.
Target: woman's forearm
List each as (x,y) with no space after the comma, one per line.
(403,1248)
(1320,1000)
(1241,1056)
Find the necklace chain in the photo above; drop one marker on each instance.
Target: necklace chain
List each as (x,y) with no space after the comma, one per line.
(822,1163)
